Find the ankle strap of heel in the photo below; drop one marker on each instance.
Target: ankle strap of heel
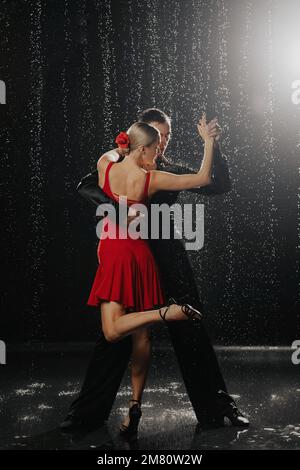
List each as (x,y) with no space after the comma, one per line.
(137,401)
(163,315)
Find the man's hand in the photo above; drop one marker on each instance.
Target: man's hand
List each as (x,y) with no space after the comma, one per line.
(218,135)
(209,130)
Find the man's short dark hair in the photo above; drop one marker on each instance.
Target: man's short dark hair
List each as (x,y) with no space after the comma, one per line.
(154,115)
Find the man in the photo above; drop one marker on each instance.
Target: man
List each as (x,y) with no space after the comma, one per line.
(196,357)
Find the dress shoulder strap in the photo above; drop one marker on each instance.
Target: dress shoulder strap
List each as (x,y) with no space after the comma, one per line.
(146,188)
(106,187)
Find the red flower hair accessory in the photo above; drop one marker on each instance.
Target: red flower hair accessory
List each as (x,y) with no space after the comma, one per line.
(122,140)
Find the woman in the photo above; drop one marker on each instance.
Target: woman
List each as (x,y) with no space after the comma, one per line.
(127,285)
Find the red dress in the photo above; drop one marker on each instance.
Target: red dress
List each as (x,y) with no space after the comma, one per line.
(127,272)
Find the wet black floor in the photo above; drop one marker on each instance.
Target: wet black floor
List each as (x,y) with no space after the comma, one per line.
(38,386)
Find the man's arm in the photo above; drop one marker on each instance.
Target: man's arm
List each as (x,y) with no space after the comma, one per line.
(88,188)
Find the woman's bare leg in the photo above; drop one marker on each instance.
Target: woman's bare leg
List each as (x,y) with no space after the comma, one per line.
(117,324)
(140,362)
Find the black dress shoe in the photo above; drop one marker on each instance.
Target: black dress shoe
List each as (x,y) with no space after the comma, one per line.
(73,424)
(213,422)
(228,409)
(231,412)
(235,416)
(69,424)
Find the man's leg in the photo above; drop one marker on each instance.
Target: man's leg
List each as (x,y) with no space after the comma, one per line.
(102,381)
(196,357)
(200,369)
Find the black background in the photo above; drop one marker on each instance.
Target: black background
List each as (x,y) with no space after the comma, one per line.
(78,72)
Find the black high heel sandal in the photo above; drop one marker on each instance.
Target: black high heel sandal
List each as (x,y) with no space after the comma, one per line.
(188,310)
(135,414)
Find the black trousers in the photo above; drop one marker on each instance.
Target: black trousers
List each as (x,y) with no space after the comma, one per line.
(196,357)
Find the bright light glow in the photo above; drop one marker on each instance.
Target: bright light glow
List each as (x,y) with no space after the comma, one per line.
(293,56)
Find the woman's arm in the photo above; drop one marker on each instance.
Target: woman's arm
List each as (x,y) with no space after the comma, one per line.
(220,177)
(162,180)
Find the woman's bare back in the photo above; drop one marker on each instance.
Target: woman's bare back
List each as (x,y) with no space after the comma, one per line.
(122,181)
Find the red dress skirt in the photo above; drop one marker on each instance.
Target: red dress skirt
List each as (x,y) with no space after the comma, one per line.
(127,271)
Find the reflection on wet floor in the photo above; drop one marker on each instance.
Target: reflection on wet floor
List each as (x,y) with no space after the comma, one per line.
(37,388)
